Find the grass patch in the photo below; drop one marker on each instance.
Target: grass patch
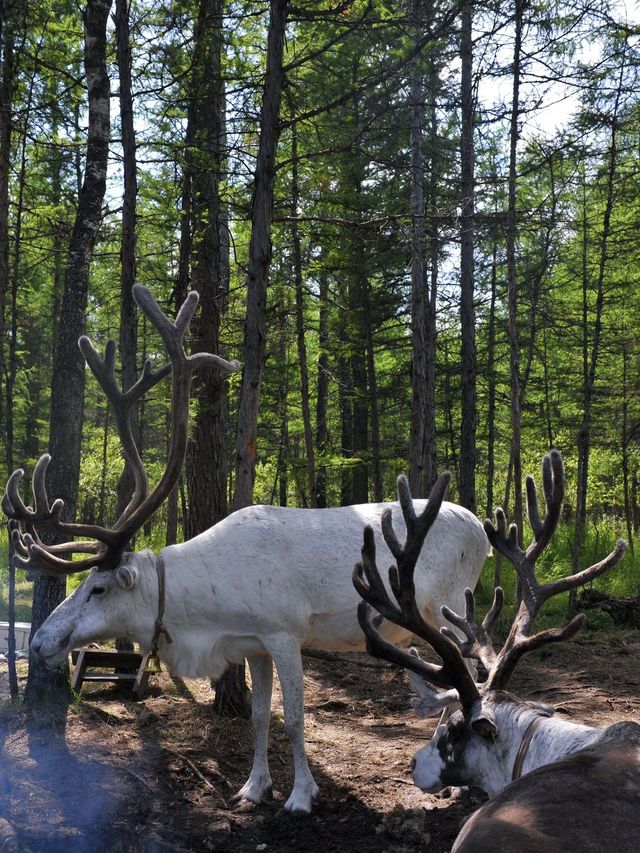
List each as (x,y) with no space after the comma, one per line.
(24,594)
(557,560)
(24,588)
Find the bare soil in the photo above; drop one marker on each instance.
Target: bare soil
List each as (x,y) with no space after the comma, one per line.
(158,775)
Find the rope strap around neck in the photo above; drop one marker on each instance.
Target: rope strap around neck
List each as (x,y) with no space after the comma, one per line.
(160,628)
(524,746)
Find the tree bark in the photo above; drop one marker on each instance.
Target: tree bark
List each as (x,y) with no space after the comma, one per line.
(67,392)
(419,295)
(207,451)
(231,690)
(6,121)
(322,434)
(512,283)
(300,329)
(467,461)
(259,261)
(128,328)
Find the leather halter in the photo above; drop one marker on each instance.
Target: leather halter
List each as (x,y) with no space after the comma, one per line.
(160,628)
(524,746)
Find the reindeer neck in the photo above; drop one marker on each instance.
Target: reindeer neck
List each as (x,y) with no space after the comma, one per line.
(553,738)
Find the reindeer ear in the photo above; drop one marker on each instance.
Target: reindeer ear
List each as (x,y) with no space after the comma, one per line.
(127,576)
(429,702)
(483,722)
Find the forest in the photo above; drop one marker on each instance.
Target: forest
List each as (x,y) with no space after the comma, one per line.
(413,223)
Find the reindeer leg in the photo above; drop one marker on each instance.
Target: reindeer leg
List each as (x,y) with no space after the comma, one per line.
(258,785)
(286,656)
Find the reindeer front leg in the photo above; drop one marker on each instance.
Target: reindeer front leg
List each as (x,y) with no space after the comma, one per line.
(286,656)
(259,785)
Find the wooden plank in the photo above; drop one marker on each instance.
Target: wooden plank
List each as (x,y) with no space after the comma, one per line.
(110,676)
(108,658)
(111,659)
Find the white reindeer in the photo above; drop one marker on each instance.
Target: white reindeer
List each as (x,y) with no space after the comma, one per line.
(262,584)
(586,791)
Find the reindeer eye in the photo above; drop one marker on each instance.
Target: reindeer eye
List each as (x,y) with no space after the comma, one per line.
(97,590)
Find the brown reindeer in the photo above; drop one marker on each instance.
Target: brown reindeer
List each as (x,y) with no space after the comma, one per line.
(555,785)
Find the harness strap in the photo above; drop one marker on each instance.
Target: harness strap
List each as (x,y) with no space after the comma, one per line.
(160,628)
(524,747)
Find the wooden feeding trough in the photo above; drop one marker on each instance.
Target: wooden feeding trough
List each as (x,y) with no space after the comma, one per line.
(111,665)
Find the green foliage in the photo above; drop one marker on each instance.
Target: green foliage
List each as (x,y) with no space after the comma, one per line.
(347,92)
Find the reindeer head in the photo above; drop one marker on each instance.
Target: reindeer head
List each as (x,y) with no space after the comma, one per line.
(101,607)
(473,745)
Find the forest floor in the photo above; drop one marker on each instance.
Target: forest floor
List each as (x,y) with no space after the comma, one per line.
(157,775)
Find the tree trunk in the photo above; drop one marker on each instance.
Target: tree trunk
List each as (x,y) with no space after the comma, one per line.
(419,450)
(491,382)
(372,382)
(322,436)
(625,440)
(6,121)
(430,457)
(300,329)
(512,284)
(67,392)
(418,294)
(259,261)
(467,308)
(128,333)
(231,689)
(207,452)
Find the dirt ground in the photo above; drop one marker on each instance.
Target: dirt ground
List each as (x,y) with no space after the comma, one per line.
(157,775)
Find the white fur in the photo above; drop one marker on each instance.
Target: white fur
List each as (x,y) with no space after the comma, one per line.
(267,581)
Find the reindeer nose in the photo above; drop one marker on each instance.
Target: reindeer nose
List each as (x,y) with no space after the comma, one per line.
(412,765)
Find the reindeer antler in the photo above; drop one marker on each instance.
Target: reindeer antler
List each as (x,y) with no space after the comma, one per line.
(479,640)
(534,594)
(366,578)
(107,544)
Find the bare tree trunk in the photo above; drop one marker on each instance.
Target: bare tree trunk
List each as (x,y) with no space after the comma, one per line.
(357,287)
(359,387)
(372,383)
(231,690)
(300,330)
(512,284)
(467,308)
(6,121)
(430,463)
(323,388)
(128,330)
(259,261)
(207,452)
(419,296)
(625,440)
(491,381)
(67,392)
(281,481)
(346,415)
